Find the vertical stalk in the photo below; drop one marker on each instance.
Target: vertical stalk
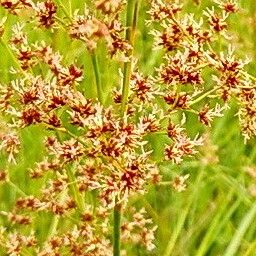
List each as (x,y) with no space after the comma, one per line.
(75,190)
(97,76)
(117,229)
(131,22)
(55,220)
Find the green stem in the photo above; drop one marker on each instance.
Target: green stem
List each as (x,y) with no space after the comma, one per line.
(61,22)
(235,243)
(248,75)
(55,220)
(204,96)
(66,131)
(97,76)
(177,231)
(125,90)
(117,230)
(182,216)
(53,226)
(70,7)
(131,22)
(76,193)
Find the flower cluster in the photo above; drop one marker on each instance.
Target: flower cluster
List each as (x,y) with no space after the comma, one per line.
(182,146)
(179,183)
(104,154)
(44,11)
(14,6)
(109,6)
(10,143)
(138,230)
(190,49)
(90,29)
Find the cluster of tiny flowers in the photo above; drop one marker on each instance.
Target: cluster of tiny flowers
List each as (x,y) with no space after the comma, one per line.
(109,6)
(182,146)
(139,230)
(10,143)
(44,11)
(189,46)
(90,30)
(105,154)
(179,183)
(90,149)
(14,6)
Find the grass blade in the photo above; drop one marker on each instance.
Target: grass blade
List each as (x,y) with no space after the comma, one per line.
(244,225)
